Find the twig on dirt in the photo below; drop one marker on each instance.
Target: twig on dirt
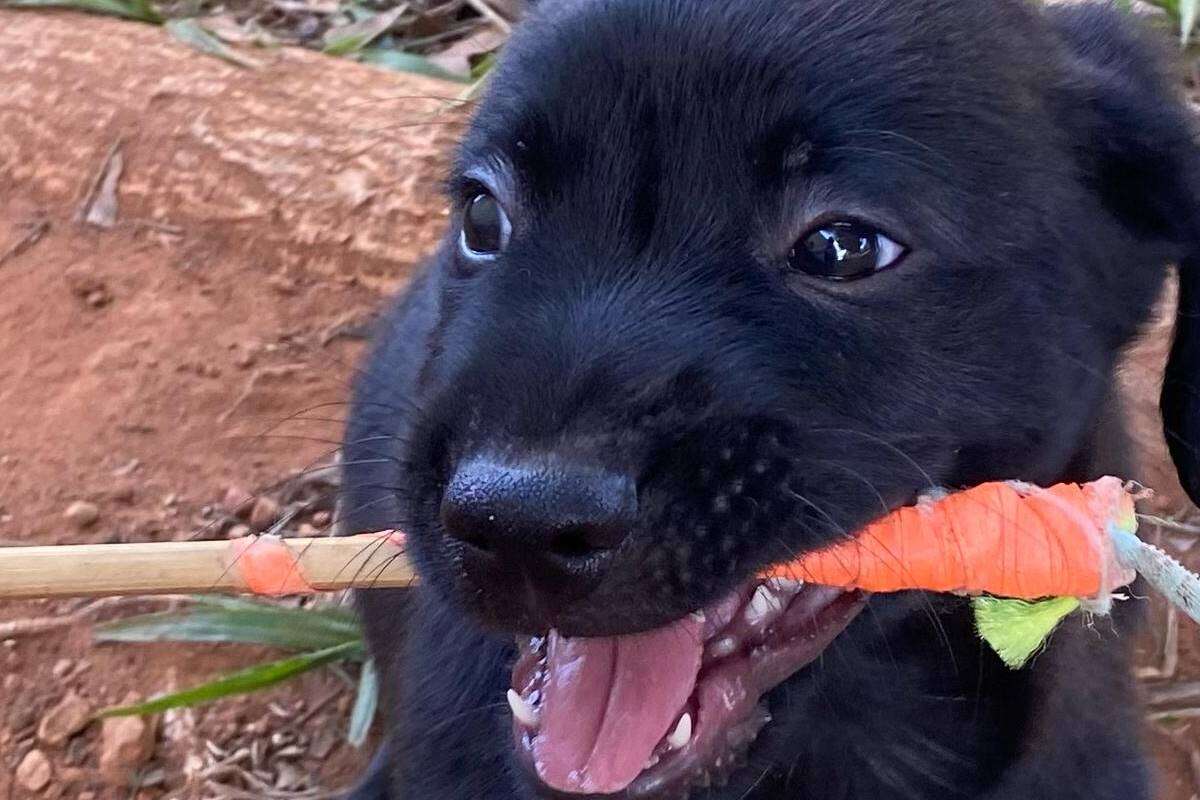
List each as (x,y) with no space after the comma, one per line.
(1174,713)
(99,204)
(318,707)
(490,14)
(1174,525)
(1173,693)
(510,9)
(34,626)
(34,231)
(252,383)
(1181,742)
(1170,658)
(224,791)
(155,225)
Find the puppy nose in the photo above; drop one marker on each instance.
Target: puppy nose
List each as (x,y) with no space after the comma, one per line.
(542,513)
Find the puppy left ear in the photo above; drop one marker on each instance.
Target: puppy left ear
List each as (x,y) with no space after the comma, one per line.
(1136,138)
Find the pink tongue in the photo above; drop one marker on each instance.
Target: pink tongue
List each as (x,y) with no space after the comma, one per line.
(608,702)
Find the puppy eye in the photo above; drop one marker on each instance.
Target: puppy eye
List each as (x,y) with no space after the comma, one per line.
(485,227)
(844,251)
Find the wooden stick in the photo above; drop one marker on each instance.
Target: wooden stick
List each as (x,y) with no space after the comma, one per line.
(255,565)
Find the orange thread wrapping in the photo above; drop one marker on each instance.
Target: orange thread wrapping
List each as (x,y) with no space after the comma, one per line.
(267,566)
(997,538)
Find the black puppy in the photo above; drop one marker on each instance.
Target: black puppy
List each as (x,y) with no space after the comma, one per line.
(725,280)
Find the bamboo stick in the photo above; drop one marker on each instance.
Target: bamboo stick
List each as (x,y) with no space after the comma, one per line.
(209,567)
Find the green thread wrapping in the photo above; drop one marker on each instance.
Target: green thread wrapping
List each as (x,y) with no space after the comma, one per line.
(1017,629)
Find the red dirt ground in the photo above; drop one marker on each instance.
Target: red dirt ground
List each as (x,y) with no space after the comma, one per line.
(176,374)
(262,216)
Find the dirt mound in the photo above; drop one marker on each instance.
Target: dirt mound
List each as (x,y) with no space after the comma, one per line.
(258,219)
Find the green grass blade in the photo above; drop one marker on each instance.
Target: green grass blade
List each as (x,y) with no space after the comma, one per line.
(400,61)
(365,703)
(195,36)
(145,11)
(353,37)
(239,603)
(247,680)
(1187,19)
(483,66)
(229,620)
(139,10)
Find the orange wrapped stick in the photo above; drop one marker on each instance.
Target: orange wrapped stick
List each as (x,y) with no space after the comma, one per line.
(1004,539)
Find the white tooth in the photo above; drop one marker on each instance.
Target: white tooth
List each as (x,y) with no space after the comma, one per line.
(725,646)
(524,713)
(785,586)
(764,606)
(682,733)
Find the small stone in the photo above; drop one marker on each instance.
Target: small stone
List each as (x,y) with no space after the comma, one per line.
(152,777)
(283,285)
(11,682)
(98,299)
(1181,544)
(126,743)
(60,723)
(322,518)
(245,359)
(62,667)
(237,501)
(82,513)
(239,531)
(83,280)
(193,766)
(124,495)
(288,778)
(127,469)
(78,751)
(170,500)
(264,513)
(33,773)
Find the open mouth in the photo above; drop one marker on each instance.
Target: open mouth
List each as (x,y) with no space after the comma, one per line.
(665,710)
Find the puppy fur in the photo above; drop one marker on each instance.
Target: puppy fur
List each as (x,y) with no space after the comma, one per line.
(658,159)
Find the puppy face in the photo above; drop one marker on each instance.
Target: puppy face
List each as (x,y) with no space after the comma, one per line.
(765,262)
(724,282)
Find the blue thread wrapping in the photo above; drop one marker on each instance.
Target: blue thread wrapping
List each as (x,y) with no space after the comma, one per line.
(1175,582)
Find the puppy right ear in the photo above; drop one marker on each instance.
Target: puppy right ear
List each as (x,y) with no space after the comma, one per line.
(1181,384)
(1138,144)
